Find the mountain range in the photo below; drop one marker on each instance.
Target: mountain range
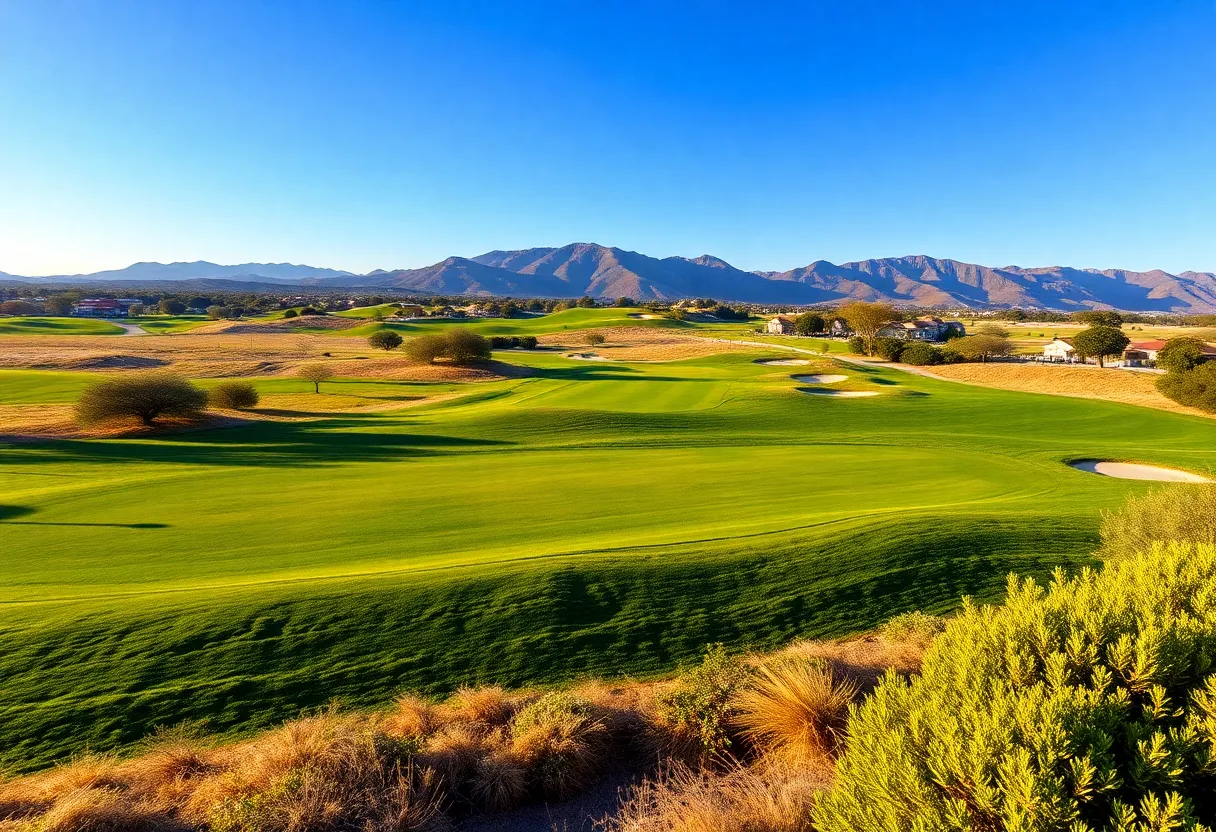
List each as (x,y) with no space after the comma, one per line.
(607,272)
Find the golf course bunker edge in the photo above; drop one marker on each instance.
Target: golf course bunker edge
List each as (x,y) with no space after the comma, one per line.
(819,378)
(837,394)
(1136,471)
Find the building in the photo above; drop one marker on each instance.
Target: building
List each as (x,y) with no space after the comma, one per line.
(781,325)
(839,328)
(1059,350)
(408,310)
(102,307)
(1144,353)
(924,328)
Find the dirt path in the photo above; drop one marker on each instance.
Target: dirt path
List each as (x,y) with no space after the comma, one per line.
(132,329)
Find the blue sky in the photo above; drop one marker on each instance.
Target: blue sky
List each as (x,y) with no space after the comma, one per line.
(384,134)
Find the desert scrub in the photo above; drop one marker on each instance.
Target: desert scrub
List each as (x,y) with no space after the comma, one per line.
(795,708)
(233,395)
(916,627)
(1185,514)
(560,742)
(1089,704)
(699,706)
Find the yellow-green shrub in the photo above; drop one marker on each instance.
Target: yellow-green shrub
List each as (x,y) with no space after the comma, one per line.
(1183,514)
(1086,705)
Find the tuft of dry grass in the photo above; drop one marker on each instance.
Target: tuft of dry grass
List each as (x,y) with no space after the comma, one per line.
(104,810)
(771,798)
(486,704)
(795,708)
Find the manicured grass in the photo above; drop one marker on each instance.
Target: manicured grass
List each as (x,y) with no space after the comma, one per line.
(588,519)
(170,325)
(57,326)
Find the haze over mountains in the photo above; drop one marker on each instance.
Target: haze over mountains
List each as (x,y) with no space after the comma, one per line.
(606,272)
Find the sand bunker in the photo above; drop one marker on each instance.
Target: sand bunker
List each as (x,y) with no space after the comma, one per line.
(586,356)
(1136,471)
(839,394)
(643,316)
(819,378)
(784,362)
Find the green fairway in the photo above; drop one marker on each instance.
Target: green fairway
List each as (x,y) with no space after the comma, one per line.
(57,326)
(170,324)
(589,518)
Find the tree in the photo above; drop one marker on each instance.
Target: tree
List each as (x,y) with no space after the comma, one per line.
(1193,388)
(1098,317)
(467,347)
(857,345)
(995,330)
(291,313)
(217,312)
(1181,354)
(920,354)
(384,339)
(979,347)
(809,323)
(1099,342)
(198,303)
(866,319)
(147,396)
(624,302)
(594,338)
(586,302)
(59,306)
(135,310)
(425,348)
(171,307)
(18,307)
(233,395)
(316,373)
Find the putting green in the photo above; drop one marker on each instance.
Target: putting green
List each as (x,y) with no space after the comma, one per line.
(590,518)
(57,326)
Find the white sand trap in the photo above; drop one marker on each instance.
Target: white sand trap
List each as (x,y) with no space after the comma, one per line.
(644,316)
(819,378)
(1136,471)
(586,356)
(785,362)
(840,394)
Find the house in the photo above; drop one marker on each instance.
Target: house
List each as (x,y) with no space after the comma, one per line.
(924,328)
(1059,350)
(407,310)
(101,308)
(1144,353)
(781,325)
(839,328)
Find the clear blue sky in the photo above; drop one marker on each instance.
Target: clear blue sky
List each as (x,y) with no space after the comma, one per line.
(384,134)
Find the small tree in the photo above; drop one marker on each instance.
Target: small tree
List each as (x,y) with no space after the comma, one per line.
(586,302)
(979,347)
(384,339)
(60,305)
(135,310)
(291,313)
(171,307)
(217,312)
(233,395)
(146,396)
(466,347)
(1098,317)
(866,319)
(623,302)
(1181,354)
(425,348)
(594,338)
(857,345)
(1193,388)
(920,354)
(316,373)
(889,349)
(809,323)
(1099,342)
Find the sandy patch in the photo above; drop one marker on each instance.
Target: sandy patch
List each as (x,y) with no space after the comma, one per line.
(1136,471)
(819,378)
(586,356)
(1078,382)
(839,394)
(784,362)
(644,316)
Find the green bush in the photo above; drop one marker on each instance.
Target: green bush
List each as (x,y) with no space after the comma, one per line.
(700,701)
(551,709)
(921,354)
(889,349)
(291,313)
(233,395)
(1179,355)
(1194,388)
(857,345)
(461,346)
(1086,705)
(384,339)
(146,396)
(1184,514)
(912,626)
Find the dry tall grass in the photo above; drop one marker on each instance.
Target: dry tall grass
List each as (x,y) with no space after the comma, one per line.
(795,708)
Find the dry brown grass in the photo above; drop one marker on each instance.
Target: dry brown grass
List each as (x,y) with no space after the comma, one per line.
(1124,386)
(776,797)
(627,343)
(419,765)
(795,708)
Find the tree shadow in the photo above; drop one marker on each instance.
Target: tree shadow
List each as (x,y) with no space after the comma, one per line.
(7,513)
(319,443)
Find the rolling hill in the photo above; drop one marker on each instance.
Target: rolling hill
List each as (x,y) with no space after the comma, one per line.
(607,272)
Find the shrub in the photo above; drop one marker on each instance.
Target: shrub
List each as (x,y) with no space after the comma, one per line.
(459,345)
(978,347)
(809,323)
(1086,705)
(795,707)
(559,740)
(889,349)
(700,703)
(384,339)
(291,313)
(147,396)
(425,348)
(1194,388)
(912,626)
(509,342)
(233,395)
(920,354)
(217,312)
(171,307)
(594,338)
(527,342)
(316,373)
(1182,514)
(857,345)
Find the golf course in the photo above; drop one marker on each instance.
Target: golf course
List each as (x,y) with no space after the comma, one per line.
(569,518)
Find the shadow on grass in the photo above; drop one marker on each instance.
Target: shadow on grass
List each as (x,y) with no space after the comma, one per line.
(7,513)
(326,441)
